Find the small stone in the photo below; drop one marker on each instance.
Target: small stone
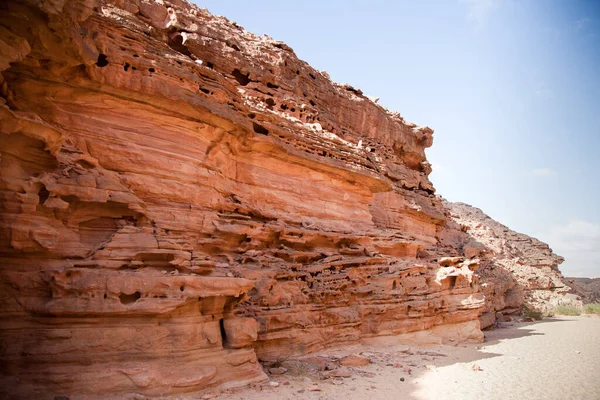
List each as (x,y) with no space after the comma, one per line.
(476,367)
(402,379)
(230,275)
(355,361)
(338,373)
(273,384)
(278,371)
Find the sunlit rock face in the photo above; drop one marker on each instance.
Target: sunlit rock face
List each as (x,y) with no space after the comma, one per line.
(516,270)
(180,197)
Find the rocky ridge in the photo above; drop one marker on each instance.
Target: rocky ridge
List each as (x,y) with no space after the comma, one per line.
(516,270)
(180,197)
(587,288)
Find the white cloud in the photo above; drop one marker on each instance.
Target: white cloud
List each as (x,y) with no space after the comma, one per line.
(576,235)
(578,242)
(542,172)
(478,11)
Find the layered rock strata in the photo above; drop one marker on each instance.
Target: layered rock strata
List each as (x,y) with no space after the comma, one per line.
(516,270)
(179,196)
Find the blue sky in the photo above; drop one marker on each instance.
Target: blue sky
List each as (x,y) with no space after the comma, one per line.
(511,88)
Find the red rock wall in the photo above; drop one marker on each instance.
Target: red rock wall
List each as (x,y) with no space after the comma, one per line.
(180,196)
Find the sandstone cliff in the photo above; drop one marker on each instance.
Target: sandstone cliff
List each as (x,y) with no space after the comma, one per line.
(516,270)
(180,196)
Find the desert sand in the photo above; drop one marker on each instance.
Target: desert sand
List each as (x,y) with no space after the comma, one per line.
(556,358)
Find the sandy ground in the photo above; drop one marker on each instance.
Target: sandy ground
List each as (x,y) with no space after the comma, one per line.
(551,359)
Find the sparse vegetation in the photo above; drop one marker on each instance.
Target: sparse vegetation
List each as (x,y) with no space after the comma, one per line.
(564,309)
(533,314)
(593,308)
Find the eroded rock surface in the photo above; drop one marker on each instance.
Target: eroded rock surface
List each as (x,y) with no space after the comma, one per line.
(180,196)
(516,270)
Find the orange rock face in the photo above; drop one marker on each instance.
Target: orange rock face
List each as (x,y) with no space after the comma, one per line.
(180,197)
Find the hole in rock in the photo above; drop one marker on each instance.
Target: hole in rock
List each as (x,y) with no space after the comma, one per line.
(176,43)
(133,68)
(272,85)
(312,103)
(452,280)
(105,295)
(205,90)
(260,129)
(68,274)
(251,116)
(126,66)
(151,69)
(270,102)
(234,46)
(43,194)
(135,55)
(297,72)
(311,75)
(102,60)
(222,328)
(129,298)
(181,288)
(209,65)
(394,286)
(241,78)
(283,107)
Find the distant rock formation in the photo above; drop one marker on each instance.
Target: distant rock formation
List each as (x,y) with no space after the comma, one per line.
(516,270)
(587,288)
(180,197)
